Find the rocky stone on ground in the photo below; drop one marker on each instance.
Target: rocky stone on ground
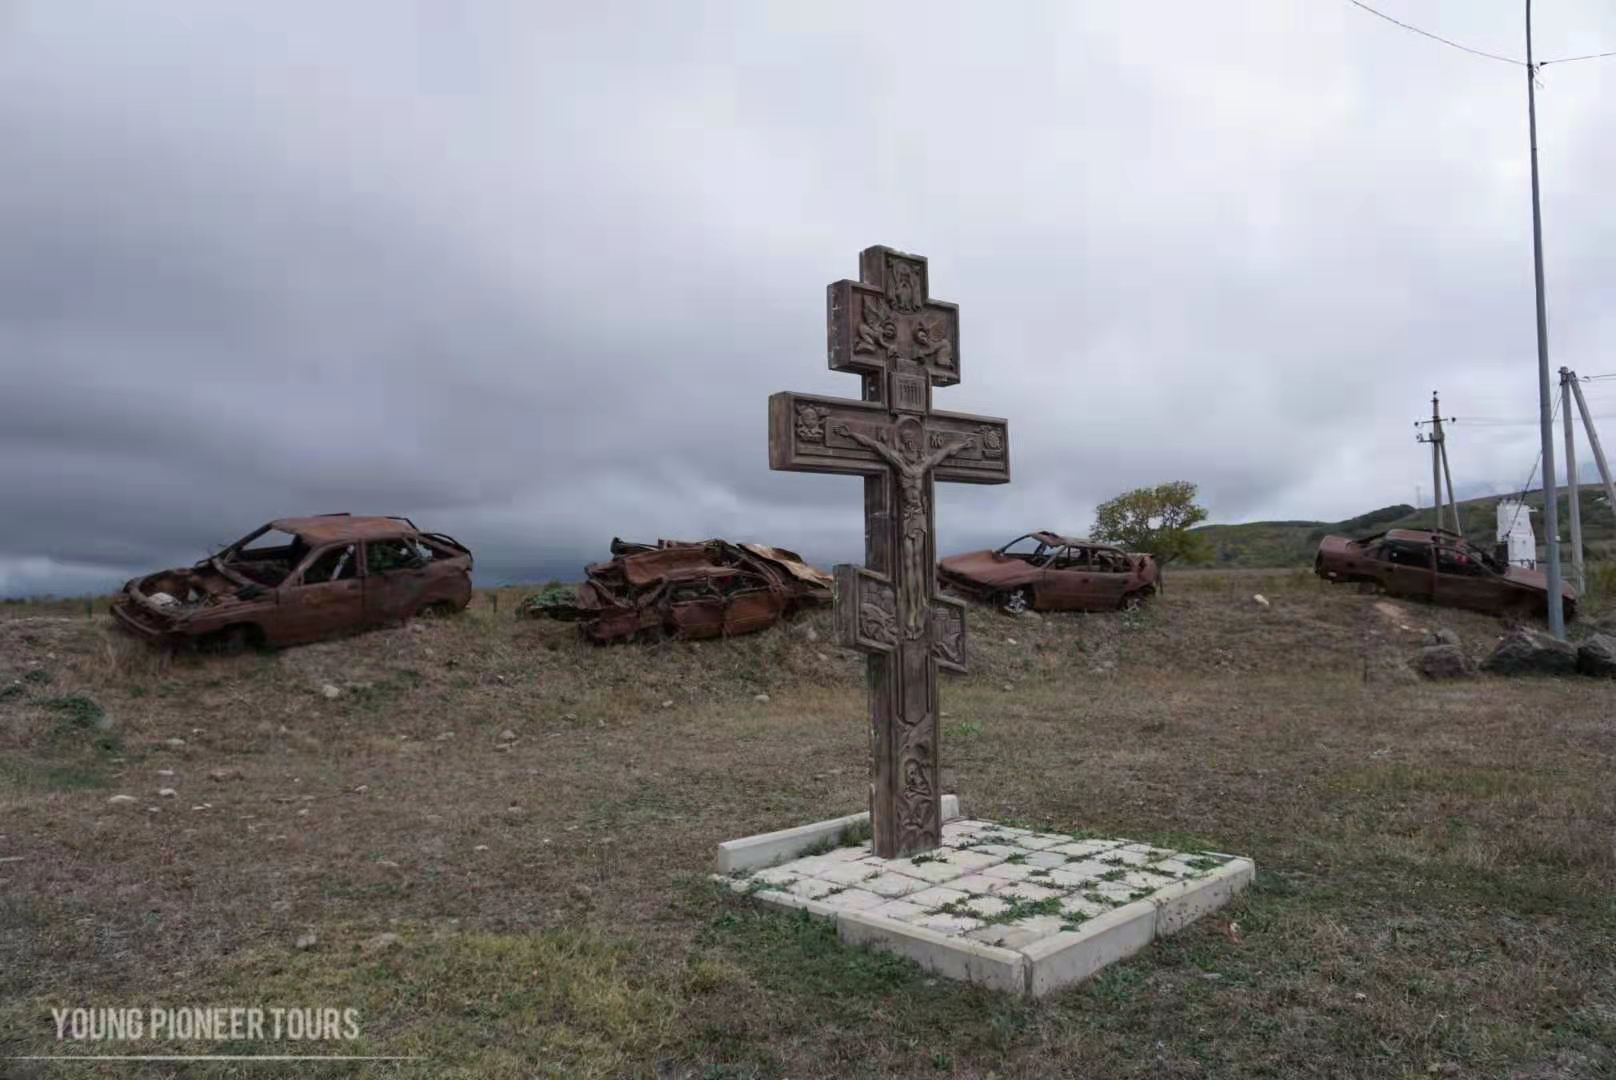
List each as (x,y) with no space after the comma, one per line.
(1442,636)
(1444,661)
(1525,651)
(330,692)
(1597,656)
(381,943)
(308,940)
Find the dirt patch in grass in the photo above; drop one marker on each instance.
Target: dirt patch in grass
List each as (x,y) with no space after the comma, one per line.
(1435,861)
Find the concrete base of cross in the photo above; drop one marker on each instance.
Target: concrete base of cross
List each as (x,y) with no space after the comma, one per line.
(1012,909)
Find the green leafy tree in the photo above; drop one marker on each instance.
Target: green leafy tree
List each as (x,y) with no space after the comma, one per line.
(1157,520)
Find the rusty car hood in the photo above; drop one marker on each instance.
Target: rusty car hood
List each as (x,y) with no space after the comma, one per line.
(988,567)
(1538,580)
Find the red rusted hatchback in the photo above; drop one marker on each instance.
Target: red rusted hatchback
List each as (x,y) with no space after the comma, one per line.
(299,579)
(1050,572)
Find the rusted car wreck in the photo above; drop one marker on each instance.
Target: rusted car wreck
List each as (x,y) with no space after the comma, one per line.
(1050,572)
(1439,566)
(703,589)
(300,579)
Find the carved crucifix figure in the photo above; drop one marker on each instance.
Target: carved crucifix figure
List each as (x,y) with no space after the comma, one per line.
(886,328)
(914,512)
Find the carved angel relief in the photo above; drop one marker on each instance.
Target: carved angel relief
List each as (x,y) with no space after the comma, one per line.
(811,422)
(930,346)
(878,621)
(917,807)
(877,330)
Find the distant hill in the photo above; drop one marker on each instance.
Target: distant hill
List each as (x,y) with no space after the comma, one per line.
(1293,543)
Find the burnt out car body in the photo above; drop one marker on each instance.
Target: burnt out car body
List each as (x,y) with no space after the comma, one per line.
(692,590)
(1439,566)
(300,579)
(1049,572)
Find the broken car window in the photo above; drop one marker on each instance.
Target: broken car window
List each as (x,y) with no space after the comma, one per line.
(1409,555)
(266,557)
(384,556)
(333,564)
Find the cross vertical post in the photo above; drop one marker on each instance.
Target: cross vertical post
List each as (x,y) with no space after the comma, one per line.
(886,328)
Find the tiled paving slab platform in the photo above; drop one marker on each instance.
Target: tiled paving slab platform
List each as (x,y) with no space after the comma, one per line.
(1013,909)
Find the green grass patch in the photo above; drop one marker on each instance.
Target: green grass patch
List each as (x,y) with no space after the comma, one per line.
(496,1006)
(79,710)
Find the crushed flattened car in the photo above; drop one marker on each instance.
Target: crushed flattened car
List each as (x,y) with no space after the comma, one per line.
(1049,572)
(301,579)
(1439,566)
(691,590)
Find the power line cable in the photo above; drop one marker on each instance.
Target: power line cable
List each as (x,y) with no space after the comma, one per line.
(1520,502)
(1437,37)
(1574,59)
(1476,52)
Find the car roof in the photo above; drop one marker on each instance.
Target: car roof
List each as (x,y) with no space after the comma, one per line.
(326,528)
(1423,536)
(1057,540)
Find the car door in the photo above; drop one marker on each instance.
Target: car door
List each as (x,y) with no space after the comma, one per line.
(396,578)
(1406,569)
(1083,583)
(324,596)
(1110,573)
(696,608)
(1462,580)
(1063,584)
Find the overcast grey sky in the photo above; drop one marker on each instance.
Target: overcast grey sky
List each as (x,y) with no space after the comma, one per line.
(529,271)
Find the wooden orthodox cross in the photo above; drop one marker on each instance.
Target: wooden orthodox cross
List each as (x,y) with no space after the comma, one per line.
(886,327)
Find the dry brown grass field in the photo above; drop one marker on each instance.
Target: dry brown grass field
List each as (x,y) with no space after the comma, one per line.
(1436,891)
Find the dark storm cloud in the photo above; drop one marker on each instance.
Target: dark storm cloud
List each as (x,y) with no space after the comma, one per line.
(529,272)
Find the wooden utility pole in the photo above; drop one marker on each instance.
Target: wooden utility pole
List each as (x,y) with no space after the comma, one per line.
(1573,486)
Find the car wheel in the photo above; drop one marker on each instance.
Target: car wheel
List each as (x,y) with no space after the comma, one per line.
(1135,600)
(1017,602)
(440,609)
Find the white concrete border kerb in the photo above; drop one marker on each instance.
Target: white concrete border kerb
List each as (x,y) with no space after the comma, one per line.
(1056,959)
(766,849)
